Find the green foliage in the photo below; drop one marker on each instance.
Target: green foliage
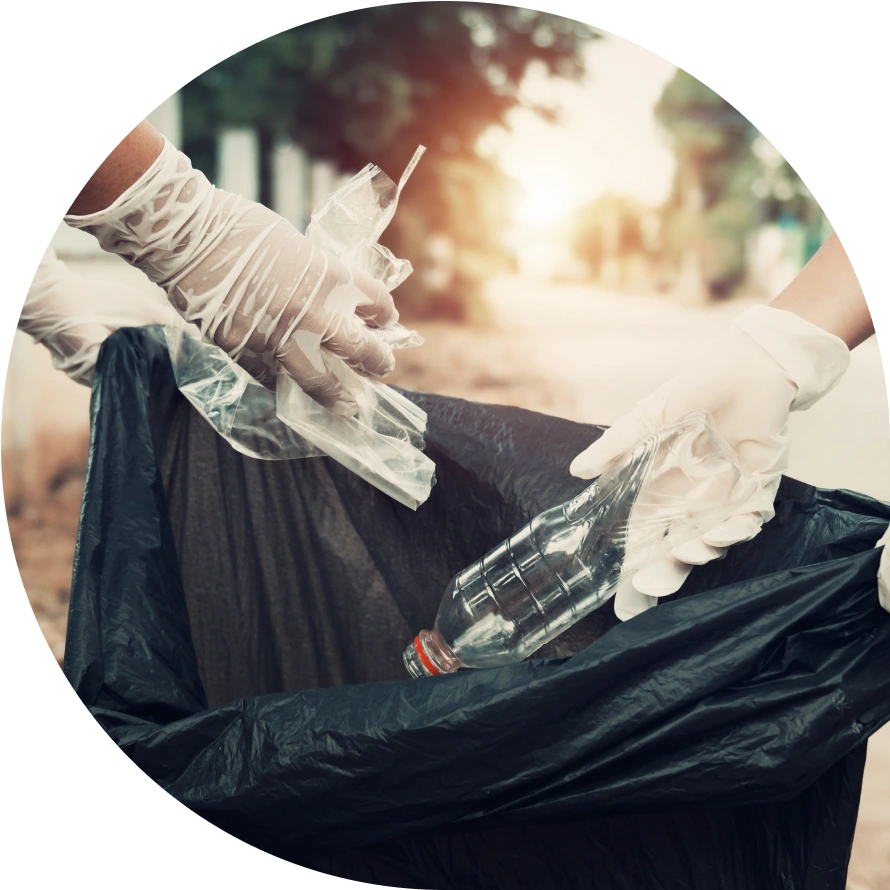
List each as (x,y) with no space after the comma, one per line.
(371,85)
(786,198)
(729,180)
(712,202)
(704,127)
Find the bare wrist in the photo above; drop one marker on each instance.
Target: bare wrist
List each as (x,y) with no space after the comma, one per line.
(129,160)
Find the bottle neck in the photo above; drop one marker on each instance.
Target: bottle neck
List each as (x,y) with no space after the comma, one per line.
(429,655)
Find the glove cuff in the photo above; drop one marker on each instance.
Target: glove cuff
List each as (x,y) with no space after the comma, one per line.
(813,359)
(161,222)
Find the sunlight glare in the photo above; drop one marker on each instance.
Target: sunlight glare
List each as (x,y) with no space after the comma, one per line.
(543,204)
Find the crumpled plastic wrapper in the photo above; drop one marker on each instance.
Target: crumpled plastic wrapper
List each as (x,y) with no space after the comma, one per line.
(383,442)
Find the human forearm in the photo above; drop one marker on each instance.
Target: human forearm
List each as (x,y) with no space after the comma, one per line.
(119,170)
(827,293)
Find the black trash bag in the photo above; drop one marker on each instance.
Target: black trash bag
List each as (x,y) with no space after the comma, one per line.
(237,625)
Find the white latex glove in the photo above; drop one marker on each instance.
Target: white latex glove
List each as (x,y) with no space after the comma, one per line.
(884,571)
(769,363)
(248,279)
(71,315)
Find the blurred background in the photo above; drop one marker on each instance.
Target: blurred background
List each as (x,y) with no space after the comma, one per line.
(585,215)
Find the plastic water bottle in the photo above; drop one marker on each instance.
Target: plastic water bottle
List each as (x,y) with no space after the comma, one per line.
(570,559)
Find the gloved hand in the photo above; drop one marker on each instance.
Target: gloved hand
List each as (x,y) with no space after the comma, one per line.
(770,362)
(72,315)
(884,571)
(249,280)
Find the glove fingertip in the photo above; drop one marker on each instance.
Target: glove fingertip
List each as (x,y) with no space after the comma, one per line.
(629,602)
(593,460)
(584,467)
(735,530)
(662,578)
(697,552)
(380,310)
(345,407)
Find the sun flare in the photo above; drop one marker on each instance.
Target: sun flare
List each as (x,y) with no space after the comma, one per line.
(543,204)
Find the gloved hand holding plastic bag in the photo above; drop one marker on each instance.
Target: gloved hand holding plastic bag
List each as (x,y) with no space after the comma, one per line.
(311,323)
(382,442)
(248,279)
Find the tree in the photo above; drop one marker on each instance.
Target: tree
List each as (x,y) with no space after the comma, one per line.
(784,197)
(372,85)
(725,186)
(610,233)
(711,207)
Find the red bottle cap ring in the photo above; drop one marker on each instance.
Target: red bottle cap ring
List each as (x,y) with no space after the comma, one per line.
(424,658)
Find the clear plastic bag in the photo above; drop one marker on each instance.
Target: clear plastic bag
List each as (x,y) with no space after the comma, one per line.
(383,442)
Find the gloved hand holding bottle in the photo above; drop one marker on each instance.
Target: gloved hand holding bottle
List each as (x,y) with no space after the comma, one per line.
(242,274)
(774,360)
